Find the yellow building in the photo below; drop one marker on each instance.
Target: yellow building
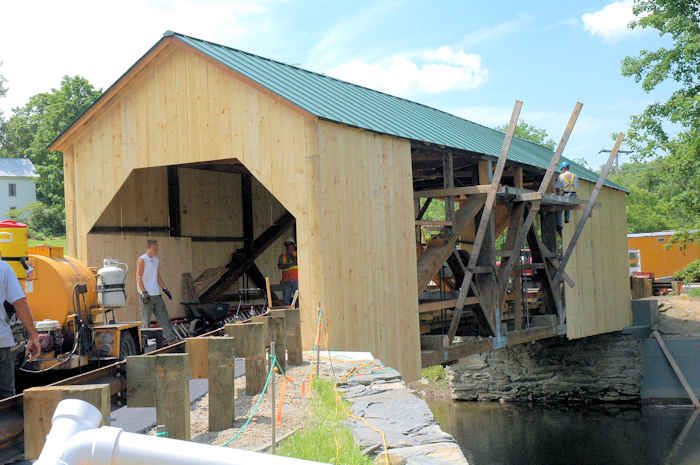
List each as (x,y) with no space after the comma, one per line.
(651,255)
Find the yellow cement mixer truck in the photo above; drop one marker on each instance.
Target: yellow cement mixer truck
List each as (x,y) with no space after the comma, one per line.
(73,305)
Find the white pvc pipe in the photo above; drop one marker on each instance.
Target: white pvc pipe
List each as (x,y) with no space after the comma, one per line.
(74,439)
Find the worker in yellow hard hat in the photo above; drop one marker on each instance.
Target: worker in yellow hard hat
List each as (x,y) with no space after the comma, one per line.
(290,270)
(566,185)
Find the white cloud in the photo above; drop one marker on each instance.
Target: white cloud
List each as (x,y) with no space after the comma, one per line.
(430,72)
(611,22)
(345,32)
(498,31)
(100,44)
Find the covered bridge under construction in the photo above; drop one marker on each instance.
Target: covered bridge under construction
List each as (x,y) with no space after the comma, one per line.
(221,155)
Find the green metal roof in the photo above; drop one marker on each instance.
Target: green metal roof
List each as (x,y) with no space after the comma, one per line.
(342,102)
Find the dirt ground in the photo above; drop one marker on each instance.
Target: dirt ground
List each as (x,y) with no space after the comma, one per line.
(258,432)
(679,315)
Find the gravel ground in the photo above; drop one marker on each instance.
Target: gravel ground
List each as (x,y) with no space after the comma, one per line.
(259,431)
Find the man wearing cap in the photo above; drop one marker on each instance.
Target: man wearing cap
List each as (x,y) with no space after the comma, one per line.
(290,270)
(566,185)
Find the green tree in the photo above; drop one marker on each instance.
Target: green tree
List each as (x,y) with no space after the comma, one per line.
(670,130)
(29,131)
(530,132)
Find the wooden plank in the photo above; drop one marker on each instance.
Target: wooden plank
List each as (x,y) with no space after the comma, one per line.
(221,383)
(452,191)
(172,391)
(434,342)
(40,403)
(448,175)
(484,223)
(677,370)
(140,380)
(587,213)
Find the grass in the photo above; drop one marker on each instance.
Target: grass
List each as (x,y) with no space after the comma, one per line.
(435,374)
(324,437)
(694,292)
(56,241)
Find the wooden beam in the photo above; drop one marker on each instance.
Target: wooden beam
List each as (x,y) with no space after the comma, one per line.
(587,213)
(452,191)
(278,335)
(677,370)
(448,175)
(440,224)
(241,262)
(484,222)
(292,322)
(507,265)
(424,208)
(434,257)
(247,204)
(174,212)
(481,345)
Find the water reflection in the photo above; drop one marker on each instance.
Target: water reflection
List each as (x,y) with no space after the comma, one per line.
(495,434)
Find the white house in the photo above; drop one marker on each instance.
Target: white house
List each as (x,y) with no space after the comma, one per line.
(17,184)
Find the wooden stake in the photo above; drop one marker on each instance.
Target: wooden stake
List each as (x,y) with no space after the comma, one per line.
(249,342)
(221,374)
(272,398)
(140,380)
(172,389)
(278,334)
(292,321)
(269,292)
(39,406)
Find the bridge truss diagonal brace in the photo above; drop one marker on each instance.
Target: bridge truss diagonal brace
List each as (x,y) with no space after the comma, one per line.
(514,253)
(481,231)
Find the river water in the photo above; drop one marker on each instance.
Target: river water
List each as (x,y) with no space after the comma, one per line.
(490,433)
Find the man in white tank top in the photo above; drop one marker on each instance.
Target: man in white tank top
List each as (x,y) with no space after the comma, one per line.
(149,285)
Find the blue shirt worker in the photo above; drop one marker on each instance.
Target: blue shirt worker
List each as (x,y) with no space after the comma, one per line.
(12,293)
(566,185)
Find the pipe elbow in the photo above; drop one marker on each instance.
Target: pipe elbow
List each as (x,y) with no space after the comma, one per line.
(91,447)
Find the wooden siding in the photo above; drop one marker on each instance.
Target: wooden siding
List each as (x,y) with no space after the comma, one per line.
(350,191)
(367,240)
(600,302)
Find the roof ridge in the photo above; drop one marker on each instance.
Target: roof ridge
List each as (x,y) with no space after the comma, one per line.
(173,33)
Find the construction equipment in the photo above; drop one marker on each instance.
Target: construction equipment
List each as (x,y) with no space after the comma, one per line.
(74,329)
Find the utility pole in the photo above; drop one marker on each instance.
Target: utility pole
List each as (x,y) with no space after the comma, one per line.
(617,159)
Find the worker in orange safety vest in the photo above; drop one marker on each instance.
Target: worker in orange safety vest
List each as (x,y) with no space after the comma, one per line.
(290,270)
(566,185)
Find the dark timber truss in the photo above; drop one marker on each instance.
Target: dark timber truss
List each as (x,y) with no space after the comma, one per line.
(470,300)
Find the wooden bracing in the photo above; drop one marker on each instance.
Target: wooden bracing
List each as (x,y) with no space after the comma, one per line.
(494,291)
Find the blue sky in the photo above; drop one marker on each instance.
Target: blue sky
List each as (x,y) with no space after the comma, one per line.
(469,58)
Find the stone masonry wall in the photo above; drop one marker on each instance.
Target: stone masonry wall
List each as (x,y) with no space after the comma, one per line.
(599,368)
